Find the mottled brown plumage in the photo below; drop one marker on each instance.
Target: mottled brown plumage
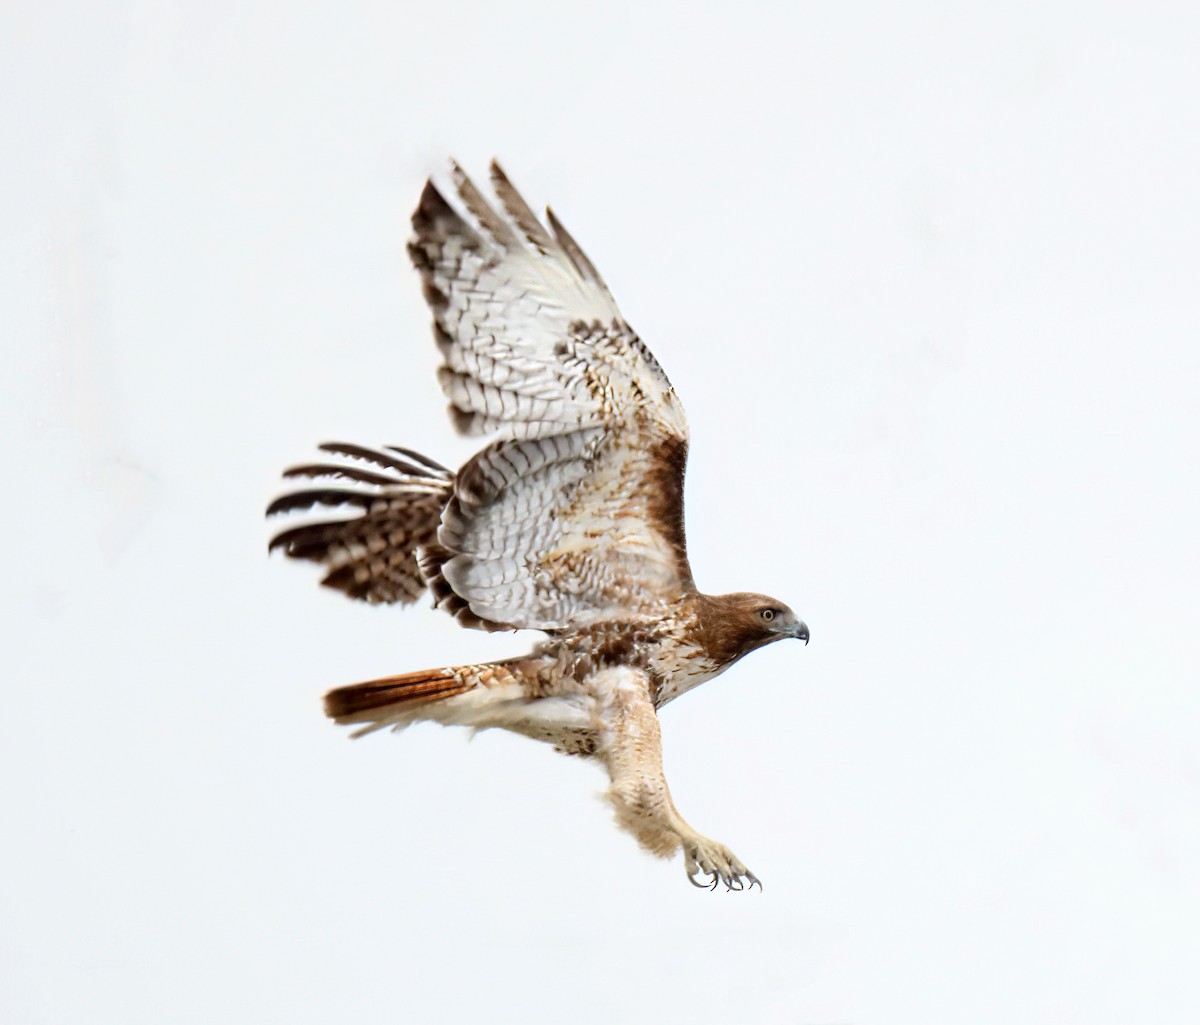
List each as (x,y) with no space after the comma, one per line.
(570,522)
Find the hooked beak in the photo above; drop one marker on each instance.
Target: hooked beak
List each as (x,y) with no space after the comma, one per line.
(800,631)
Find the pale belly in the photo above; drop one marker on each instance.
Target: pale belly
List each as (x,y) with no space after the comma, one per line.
(567,721)
(571,719)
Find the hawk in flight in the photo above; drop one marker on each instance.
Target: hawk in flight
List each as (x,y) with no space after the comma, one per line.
(570,521)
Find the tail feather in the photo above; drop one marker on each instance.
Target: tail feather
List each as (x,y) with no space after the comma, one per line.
(360,702)
(398,701)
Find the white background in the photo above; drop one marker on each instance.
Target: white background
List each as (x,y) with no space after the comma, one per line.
(926,279)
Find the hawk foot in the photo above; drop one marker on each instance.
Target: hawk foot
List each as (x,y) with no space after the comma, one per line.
(705,857)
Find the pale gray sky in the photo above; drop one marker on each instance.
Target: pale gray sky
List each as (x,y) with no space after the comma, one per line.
(926,281)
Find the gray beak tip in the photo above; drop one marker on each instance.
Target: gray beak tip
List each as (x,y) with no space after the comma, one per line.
(801,632)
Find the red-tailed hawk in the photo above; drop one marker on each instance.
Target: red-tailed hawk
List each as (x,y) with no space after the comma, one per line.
(571,522)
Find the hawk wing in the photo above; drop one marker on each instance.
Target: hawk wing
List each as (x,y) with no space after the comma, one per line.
(576,513)
(372,555)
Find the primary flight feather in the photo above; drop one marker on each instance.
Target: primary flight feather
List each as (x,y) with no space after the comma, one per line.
(569,522)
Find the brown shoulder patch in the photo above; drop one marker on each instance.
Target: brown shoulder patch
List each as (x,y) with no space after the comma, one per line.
(668,462)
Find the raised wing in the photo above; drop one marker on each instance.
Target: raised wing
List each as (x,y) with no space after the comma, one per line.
(577,512)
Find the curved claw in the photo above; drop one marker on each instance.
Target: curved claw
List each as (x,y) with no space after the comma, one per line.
(705,858)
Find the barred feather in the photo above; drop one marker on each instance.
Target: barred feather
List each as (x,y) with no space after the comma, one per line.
(371,556)
(592,434)
(571,521)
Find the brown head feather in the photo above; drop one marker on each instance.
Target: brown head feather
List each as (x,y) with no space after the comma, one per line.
(732,625)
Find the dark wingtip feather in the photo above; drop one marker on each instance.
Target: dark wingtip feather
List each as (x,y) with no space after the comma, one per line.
(416,457)
(309,541)
(525,219)
(431,208)
(423,464)
(313,470)
(575,253)
(479,208)
(323,496)
(369,554)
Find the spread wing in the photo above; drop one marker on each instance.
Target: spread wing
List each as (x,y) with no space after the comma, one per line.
(576,513)
(387,514)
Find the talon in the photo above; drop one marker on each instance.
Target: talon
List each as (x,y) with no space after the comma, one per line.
(716,879)
(754,881)
(692,879)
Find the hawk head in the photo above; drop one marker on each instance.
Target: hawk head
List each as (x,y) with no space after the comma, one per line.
(732,625)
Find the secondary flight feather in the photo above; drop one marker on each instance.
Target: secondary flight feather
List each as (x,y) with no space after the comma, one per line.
(569,522)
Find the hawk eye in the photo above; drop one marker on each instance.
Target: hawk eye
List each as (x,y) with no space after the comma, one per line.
(767,615)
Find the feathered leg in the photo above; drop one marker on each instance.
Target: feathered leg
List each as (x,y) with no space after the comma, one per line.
(632,751)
